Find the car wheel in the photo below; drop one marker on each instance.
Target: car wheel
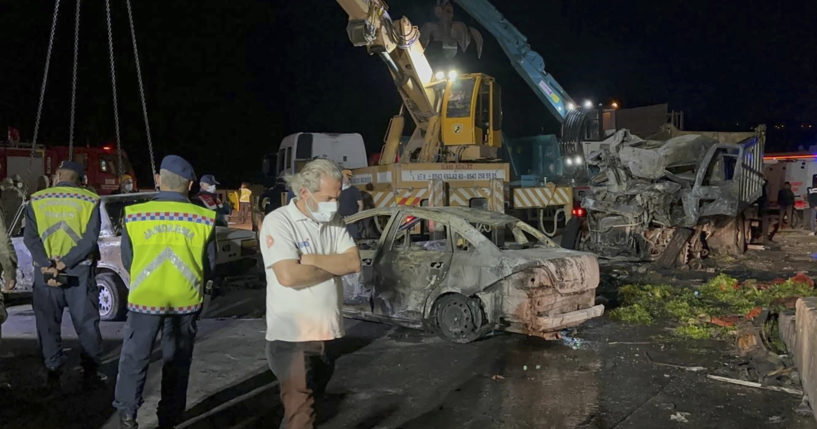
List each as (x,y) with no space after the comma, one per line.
(458,318)
(113,296)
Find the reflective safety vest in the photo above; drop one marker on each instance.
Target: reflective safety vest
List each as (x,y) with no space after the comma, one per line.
(246,193)
(168,240)
(62,215)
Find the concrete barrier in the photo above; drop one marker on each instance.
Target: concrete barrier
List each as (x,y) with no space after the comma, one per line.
(799,332)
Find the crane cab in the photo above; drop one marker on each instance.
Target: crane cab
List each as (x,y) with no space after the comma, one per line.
(472,111)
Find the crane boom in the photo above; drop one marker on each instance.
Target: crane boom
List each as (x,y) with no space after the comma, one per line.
(528,63)
(397,43)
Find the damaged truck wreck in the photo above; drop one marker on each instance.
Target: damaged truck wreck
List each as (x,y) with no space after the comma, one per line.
(673,198)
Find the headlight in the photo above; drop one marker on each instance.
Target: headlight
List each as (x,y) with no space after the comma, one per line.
(568,162)
(578,160)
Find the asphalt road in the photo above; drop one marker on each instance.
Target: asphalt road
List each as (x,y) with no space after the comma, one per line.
(620,377)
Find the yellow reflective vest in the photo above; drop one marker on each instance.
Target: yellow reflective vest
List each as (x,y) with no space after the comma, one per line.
(62,214)
(246,195)
(169,240)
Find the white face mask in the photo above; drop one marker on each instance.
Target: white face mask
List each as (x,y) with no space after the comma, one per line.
(128,187)
(325,212)
(346,186)
(209,188)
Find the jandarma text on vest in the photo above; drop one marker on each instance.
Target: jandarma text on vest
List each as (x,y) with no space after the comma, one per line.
(161,229)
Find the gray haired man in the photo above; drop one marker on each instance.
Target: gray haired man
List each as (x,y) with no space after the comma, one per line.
(306,249)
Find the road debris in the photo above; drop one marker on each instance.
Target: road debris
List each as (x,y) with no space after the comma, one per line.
(574,343)
(497,377)
(680,417)
(755,385)
(714,309)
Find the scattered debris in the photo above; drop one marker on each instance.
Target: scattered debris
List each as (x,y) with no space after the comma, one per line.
(574,343)
(804,409)
(680,417)
(775,419)
(496,377)
(714,309)
(756,385)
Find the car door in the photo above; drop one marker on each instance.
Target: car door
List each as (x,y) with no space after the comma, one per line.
(414,259)
(357,288)
(25,264)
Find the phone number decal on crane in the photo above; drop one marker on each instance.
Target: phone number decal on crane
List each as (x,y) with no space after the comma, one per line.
(451,175)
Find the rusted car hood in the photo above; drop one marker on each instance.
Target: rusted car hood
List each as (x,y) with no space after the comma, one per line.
(568,271)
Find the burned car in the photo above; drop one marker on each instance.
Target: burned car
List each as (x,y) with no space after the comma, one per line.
(236,252)
(465,272)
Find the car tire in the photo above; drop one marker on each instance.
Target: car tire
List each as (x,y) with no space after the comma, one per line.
(113,296)
(458,318)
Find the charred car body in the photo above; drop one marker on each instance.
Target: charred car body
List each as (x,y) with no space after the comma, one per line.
(466,272)
(236,252)
(674,197)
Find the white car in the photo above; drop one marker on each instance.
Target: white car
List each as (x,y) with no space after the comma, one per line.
(237,252)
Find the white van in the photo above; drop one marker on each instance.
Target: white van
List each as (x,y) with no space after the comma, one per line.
(348,150)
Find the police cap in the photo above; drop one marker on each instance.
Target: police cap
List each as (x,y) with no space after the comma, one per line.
(178,165)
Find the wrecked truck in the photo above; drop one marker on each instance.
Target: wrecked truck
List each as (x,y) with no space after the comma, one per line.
(464,273)
(674,197)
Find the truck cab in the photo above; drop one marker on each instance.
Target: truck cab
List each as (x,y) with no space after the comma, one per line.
(346,149)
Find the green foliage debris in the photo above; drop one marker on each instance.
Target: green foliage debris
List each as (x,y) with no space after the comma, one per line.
(701,312)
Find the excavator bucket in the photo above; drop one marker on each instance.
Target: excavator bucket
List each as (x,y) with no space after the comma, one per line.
(450,33)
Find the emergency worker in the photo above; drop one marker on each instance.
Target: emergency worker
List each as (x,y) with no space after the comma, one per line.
(8,266)
(208,199)
(168,247)
(125,185)
(245,202)
(61,233)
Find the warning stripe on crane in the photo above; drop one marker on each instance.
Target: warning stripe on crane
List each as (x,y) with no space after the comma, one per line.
(462,196)
(383,199)
(414,197)
(540,197)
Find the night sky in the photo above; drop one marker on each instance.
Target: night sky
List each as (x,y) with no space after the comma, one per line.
(226,80)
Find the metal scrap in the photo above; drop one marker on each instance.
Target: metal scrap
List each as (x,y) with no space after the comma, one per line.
(644,191)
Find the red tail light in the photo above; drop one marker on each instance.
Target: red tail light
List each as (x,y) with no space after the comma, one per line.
(579,212)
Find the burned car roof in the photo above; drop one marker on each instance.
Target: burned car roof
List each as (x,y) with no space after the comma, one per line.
(468,214)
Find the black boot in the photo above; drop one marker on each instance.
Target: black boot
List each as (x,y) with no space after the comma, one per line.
(92,379)
(127,422)
(52,381)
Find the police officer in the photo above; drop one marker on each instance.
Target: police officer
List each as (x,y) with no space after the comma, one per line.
(168,247)
(62,228)
(208,199)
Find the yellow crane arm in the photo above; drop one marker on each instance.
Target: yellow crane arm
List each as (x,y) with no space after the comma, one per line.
(397,43)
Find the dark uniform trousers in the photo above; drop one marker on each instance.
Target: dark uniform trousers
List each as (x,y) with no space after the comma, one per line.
(81,296)
(303,370)
(178,336)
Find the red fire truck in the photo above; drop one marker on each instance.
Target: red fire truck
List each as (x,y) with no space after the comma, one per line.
(100,164)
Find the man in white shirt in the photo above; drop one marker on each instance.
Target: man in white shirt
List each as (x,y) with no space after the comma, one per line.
(306,248)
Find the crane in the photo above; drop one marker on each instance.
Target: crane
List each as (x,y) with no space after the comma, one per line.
(530,65)
(457,117)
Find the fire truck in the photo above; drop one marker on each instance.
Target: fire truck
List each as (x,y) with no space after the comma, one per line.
(36,169)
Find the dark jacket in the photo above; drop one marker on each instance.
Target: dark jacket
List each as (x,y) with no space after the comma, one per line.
(785,197)
(211,201)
